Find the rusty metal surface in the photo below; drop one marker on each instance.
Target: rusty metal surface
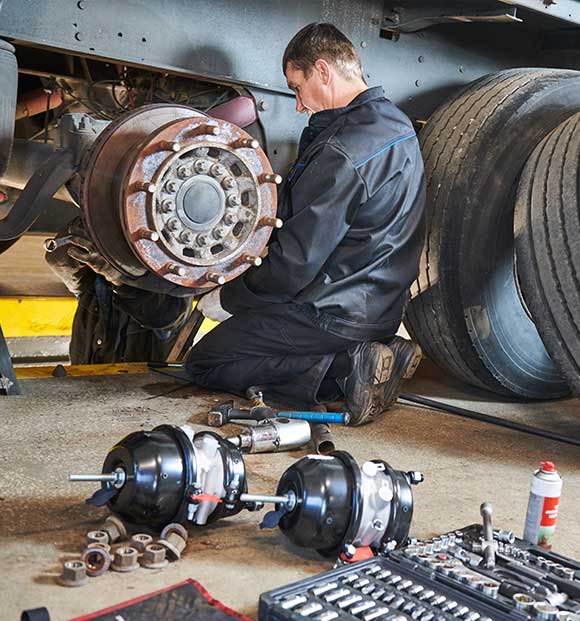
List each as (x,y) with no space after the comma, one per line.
(188,197)
(100,210)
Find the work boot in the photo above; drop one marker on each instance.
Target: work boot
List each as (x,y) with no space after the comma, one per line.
(374,382)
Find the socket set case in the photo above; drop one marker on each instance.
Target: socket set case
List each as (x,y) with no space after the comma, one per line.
(441,579)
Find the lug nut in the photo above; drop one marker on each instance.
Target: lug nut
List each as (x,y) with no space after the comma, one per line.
(126,559)
(275,223)
(201,167)
(217,170)
(230,218)
(178,270)
(115,528)
(170,146)
(245,143)
(217,278)
(167,205)
(97,536)
(140,541)
(186,237)
(202,239)
(183,171)
(148,234)
(255,261)
(219,232)
(97,561)
(145,186)
(173,224)
(173,539)
(171,186)
(228,183)
(270,178)
(154,557)
(233,200)
(74,574)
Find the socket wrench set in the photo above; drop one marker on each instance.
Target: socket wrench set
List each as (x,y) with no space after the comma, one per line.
(444,579)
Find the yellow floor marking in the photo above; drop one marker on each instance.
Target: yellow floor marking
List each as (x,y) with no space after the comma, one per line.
(37,316)
(83,370)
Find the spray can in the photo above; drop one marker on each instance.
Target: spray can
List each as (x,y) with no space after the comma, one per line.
(543,505)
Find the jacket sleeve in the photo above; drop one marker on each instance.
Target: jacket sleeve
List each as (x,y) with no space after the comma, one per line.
(325,198)
(153,310)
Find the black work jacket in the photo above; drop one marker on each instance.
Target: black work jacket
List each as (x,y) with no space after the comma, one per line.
(352,207)
(117,324)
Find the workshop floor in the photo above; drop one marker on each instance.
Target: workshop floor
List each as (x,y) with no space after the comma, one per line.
(67,425)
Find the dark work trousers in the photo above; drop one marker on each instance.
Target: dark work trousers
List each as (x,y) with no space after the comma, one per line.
(281,347)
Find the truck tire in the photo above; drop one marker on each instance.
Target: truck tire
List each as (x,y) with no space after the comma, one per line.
(8,90)
(547,231)
(466,310)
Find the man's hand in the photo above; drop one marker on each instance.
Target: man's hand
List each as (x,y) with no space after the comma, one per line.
(83,250)
(210,306)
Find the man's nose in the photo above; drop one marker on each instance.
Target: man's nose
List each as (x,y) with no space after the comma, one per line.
(299,106)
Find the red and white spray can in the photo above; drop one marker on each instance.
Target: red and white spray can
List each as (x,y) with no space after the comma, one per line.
(543,505)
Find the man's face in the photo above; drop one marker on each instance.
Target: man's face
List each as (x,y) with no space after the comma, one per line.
(310,91)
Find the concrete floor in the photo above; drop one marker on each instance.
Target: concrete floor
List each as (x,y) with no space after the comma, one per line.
(67,425)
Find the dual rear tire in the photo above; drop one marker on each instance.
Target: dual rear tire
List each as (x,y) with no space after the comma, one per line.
(468,310)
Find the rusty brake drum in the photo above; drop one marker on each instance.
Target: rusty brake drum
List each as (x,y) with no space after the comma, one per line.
(170,190)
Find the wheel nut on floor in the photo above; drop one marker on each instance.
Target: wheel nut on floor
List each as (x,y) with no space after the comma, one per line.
(74,574)
(115,528)
(126,559)
(140,541)
(173,539)
(153,557)
(97,536)
(97,561)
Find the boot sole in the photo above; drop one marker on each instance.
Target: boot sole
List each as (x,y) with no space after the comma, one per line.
(386,366)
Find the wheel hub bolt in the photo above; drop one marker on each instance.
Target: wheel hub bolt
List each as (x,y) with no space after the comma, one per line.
(230,218)
(219,232)
(202,239)
(183,171)
(217,170)
(233,200)
(228,183)
(173,224)
(178,270)
(201,167)
(167,205)
(186,237)
(171,186)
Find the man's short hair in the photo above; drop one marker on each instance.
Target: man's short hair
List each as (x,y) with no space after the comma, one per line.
(323,41)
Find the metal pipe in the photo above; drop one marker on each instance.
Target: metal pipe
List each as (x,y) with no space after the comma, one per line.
(485,418)
(27,157)
(322,437)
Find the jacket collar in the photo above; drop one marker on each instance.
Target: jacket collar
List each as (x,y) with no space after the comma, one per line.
(321,120)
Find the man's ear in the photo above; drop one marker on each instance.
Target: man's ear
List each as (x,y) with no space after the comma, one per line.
(324,70)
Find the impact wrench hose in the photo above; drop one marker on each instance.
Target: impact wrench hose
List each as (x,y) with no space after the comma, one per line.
(485,418)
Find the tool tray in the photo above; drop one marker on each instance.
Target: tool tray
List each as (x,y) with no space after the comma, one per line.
(437,580)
